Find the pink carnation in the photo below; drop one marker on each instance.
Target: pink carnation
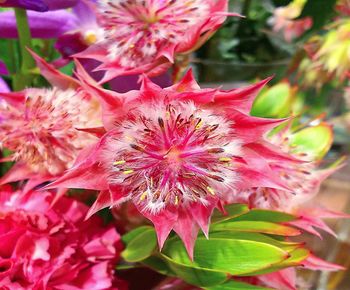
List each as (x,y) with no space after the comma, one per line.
(176,153)
(44,247)
(145,35)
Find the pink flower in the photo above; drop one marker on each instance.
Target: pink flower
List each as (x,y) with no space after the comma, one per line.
(52,247)
(145,36)
(44,128)
(284,20)
(176,153)
(304,179)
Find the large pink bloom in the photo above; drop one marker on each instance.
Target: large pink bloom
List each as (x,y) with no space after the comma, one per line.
(176,153)
(44,128)
(145,36)
(45,247)
(304,179)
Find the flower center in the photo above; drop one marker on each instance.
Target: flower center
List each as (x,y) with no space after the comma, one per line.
(175,155)
(137,29)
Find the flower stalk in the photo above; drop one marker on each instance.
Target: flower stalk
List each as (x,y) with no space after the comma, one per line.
(23,77)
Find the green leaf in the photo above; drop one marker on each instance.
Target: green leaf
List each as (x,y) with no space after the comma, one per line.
(234,285)
(195,276)
(275,102)
(266,216)
(226,254)
(159,265)
(140,245)
(256,226)
(128,237)
(232,211)
(315,141)
(297,256)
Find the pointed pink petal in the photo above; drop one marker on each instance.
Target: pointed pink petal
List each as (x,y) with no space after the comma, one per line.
(240,99)
(271,152)
(112,105)
(187,230)
(281,280)
(251,178)
(19,171)
(163,222)
(15,99)
(97,131)
(187,83)
(201,215)
(54,76)
(314,263)
(251,129)
(103,200)
(87,172)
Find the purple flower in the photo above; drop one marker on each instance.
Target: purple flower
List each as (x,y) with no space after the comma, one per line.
(39,5)
(50,24)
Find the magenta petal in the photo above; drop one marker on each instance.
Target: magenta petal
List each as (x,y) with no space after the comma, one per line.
(42,25)
(4,88)
(3,68)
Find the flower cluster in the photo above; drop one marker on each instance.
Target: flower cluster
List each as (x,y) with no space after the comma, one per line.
(173,154)
(52,247)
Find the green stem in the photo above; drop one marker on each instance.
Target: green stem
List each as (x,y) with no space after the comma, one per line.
(23,77)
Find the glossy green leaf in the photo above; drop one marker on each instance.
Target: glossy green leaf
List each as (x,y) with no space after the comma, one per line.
(195,275)
(316,140)
(159,265)
(256,226)
(266,216)
(234,285)
(128,237)
(232,211)
(140,245)
(230,255)
(275,102)
(297,256)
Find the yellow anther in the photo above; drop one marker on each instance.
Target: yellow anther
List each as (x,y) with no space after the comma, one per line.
(199,125)
(129,138)
(211,191)
(120,162)
(176,200)
(143,196)
(126,172)
(131,45)
(225,159)
(167,115)
(90,37)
